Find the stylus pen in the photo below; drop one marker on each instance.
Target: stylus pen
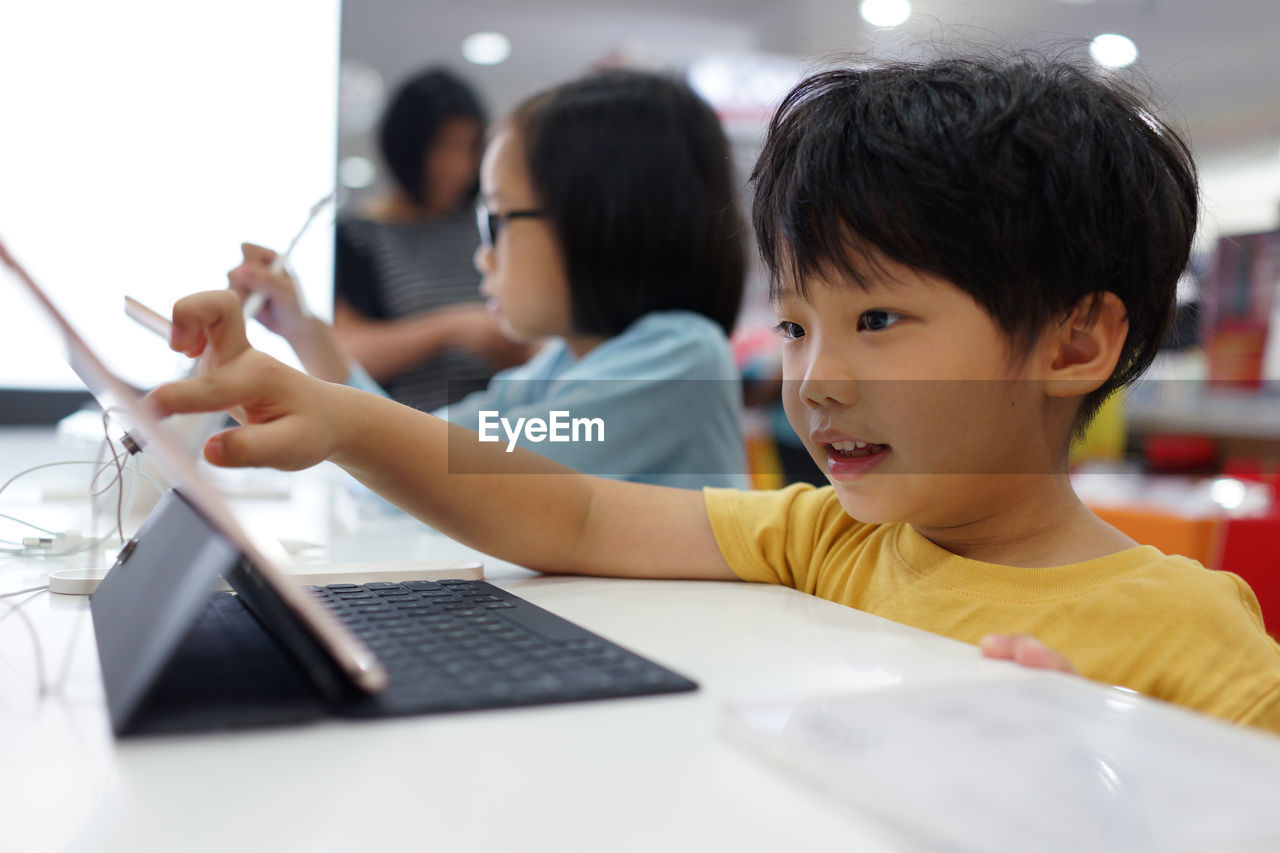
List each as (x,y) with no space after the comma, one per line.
(257,300)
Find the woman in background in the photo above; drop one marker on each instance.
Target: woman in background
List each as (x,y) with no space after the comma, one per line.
(407,304)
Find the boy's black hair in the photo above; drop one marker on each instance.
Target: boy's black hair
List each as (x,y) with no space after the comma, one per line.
(1028,182)
(633,171)
(412,120)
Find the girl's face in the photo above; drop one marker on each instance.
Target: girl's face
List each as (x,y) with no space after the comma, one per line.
(451,162)
(525,281)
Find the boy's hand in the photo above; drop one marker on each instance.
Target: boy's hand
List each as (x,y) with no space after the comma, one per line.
(1025,650)
(289,420)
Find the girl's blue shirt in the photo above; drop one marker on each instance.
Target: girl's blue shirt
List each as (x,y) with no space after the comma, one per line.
(666,389)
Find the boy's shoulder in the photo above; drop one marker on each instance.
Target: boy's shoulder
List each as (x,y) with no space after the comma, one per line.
(1216,602)
(1191,635)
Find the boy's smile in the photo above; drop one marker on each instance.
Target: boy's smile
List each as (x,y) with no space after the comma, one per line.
(848,458)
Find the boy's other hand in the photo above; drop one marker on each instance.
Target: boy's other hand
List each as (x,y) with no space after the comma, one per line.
(1024,650)
(288,420)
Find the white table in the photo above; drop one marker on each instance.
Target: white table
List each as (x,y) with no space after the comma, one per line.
(626,775)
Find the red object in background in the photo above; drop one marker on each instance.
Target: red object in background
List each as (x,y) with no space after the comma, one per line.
(1250,548)
(1251,470)
(1180,454)
(1237,296)
(1235,352)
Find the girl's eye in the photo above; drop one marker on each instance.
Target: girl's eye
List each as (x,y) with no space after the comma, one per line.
(789,330)
(877,321)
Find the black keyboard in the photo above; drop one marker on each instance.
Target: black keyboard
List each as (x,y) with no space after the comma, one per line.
(456,645)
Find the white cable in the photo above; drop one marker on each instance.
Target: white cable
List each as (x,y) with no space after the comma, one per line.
(115,459)
(41,682)
(14,518)
(91,541)
(24,591)
(27,524)
(26,471)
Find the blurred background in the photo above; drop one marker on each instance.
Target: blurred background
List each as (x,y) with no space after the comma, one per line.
(1210,67)
(1213,63)
(143,142)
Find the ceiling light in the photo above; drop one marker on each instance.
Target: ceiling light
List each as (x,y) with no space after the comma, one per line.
(486,48)
(1112,50)
(356,172)
(885,13)
(1227,493)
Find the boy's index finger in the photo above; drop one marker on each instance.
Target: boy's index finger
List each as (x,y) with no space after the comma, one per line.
(213,318)
(212,392)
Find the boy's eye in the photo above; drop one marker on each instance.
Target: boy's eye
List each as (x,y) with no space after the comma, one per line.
(789,330)
(876,321)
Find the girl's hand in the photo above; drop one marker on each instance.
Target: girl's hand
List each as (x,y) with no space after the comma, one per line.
(474,329)
(285,313)
(1025,650)
(291,420)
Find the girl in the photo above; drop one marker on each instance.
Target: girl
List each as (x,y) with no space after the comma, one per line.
(608,225)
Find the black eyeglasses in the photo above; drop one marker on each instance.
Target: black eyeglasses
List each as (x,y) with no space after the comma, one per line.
(489,222)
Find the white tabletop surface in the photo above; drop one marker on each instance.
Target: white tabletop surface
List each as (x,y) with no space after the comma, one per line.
(638,774)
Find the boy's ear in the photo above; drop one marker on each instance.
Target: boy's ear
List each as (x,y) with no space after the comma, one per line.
(1081,353)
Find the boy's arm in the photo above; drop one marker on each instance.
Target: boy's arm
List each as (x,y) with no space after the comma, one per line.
(521,508)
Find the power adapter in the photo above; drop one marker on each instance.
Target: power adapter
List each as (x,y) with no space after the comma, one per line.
(67,540)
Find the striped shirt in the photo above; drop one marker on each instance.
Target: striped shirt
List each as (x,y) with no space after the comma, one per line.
(389,270)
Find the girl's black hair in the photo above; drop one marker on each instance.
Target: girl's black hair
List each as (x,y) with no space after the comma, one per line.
(412,119)
(633,172)
(1028,182)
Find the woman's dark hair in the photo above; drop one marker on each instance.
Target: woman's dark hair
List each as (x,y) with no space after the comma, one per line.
(412,119)
(1028,182)
(633,172)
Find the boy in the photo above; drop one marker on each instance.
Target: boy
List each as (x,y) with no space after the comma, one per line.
(968,256)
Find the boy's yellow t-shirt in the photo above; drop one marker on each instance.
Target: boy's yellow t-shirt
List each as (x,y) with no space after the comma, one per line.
(1164,626)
